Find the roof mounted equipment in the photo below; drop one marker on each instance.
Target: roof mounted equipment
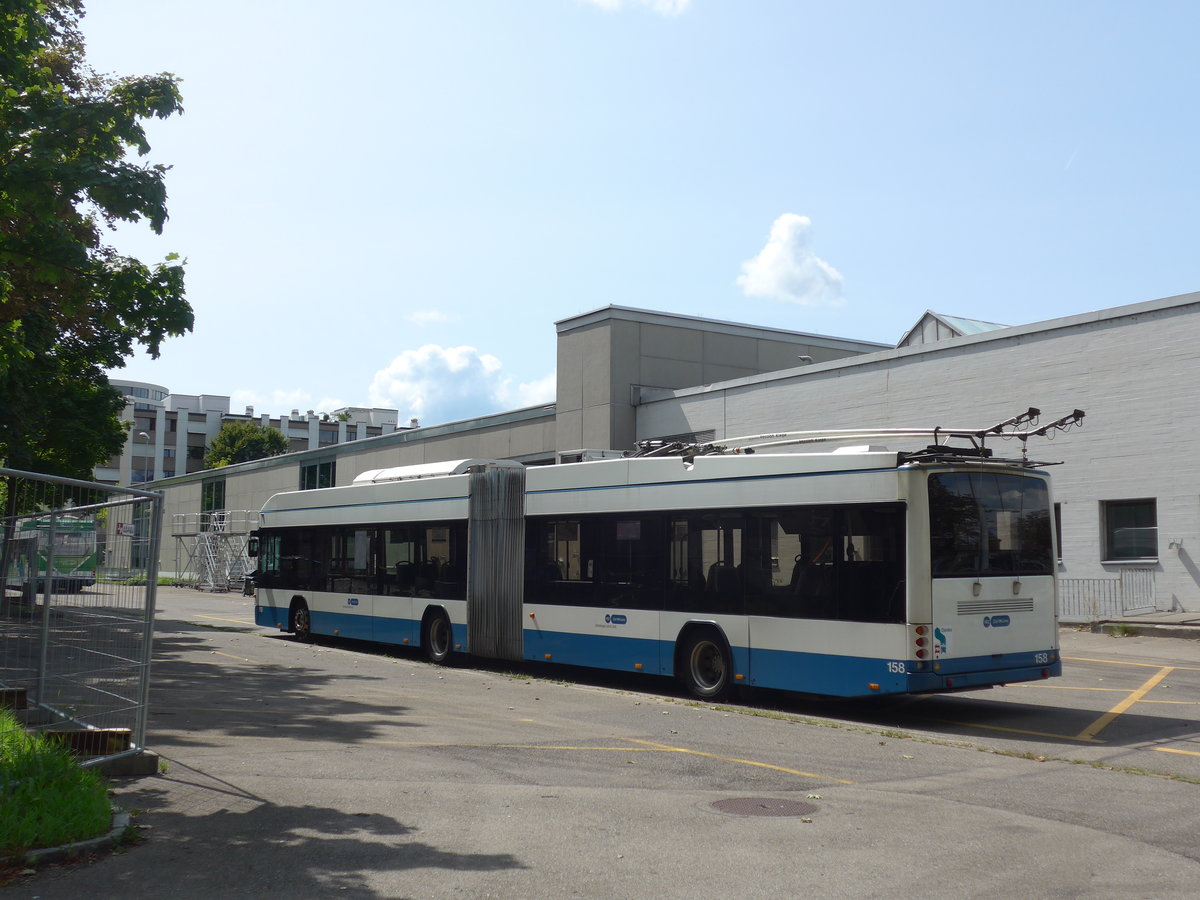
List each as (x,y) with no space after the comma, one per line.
(975,439)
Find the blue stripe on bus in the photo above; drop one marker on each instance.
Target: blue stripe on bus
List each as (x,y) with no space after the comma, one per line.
(790,670)
(940,681)
(600,651)
(396,631)
(851,676)
(271,617)
(344,625)
(821,673)
(404,632)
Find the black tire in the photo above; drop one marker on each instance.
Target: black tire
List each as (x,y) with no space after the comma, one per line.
(437,637)
(705,667)
(301,621)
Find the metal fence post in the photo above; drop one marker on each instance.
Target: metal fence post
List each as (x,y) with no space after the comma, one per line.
(139,728)
(47,594)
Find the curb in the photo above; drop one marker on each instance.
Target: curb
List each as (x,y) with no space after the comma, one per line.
(1144,629)
(43,855)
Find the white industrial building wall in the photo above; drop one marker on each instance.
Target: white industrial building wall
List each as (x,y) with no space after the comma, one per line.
(1134,370)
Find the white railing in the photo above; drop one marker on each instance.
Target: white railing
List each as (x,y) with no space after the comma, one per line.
(1097,599)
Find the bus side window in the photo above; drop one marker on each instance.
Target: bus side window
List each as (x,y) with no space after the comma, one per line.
(268,562)
(451,581)
(399,560)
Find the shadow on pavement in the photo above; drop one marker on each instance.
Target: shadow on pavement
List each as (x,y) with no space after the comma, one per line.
(197,694)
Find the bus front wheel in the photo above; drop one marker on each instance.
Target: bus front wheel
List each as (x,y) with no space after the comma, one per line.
(437,637)
(705,666)
(301,623)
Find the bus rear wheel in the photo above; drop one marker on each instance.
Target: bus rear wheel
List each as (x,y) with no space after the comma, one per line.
(705,666)
(301,622)
(437,637)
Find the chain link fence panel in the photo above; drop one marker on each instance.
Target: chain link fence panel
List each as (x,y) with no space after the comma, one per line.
(79,562)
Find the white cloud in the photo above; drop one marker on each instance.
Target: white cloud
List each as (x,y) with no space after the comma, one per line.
(787,269)
(432,384)
(662,7)
(440,384)
(432,317)
(541,390)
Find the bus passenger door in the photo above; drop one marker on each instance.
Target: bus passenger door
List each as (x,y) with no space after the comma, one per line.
(351,584)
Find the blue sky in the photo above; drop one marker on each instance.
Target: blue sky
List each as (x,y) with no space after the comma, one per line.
(390,203)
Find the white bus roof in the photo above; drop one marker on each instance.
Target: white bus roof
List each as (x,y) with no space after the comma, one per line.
(432,470)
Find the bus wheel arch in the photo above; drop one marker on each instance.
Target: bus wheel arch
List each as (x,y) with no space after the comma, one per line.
(704,662)
(300,619)
(437,635)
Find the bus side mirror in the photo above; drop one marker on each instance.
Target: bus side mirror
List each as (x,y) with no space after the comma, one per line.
(252,546)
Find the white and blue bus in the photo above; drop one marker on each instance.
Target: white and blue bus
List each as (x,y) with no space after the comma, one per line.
(856,572)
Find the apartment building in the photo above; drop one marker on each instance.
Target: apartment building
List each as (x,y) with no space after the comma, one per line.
(169,433)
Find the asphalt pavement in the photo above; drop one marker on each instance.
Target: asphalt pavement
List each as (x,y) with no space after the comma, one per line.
(294,770)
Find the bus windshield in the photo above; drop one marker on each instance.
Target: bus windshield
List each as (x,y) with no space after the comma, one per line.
(989,524)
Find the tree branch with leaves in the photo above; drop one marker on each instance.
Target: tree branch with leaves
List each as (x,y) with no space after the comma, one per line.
(243,441)
(71,305)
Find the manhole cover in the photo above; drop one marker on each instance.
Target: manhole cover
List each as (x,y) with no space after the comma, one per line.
(764,806)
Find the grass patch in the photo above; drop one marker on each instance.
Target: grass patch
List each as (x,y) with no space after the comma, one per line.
(46,797)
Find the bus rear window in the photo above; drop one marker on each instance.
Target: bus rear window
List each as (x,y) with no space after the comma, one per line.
(989,524)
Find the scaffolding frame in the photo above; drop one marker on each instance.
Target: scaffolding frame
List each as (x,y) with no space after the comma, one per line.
(210,548)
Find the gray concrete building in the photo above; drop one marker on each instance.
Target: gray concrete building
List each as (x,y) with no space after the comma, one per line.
(1128,492)
(169,433)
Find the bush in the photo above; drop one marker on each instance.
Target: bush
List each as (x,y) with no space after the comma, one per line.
(46,797)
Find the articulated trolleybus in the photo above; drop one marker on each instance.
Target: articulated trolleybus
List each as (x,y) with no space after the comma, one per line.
(855,572)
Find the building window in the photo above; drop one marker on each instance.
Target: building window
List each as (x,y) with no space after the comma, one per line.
(1130,529)
(213,495)
(168,452)
(318,475)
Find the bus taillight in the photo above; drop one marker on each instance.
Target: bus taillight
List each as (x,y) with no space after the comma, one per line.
(919,640)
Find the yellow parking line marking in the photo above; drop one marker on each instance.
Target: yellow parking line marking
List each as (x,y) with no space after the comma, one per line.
(745,762)
(1097,690)
(231,656)
(1063,687)
(220,619)
(506,746)
(1105,720)
(1173,702)
(647,747)
(1041,734)
(1120,662)
(1173,750)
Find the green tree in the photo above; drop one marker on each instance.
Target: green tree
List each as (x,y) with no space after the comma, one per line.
(72,306)
(243,441)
